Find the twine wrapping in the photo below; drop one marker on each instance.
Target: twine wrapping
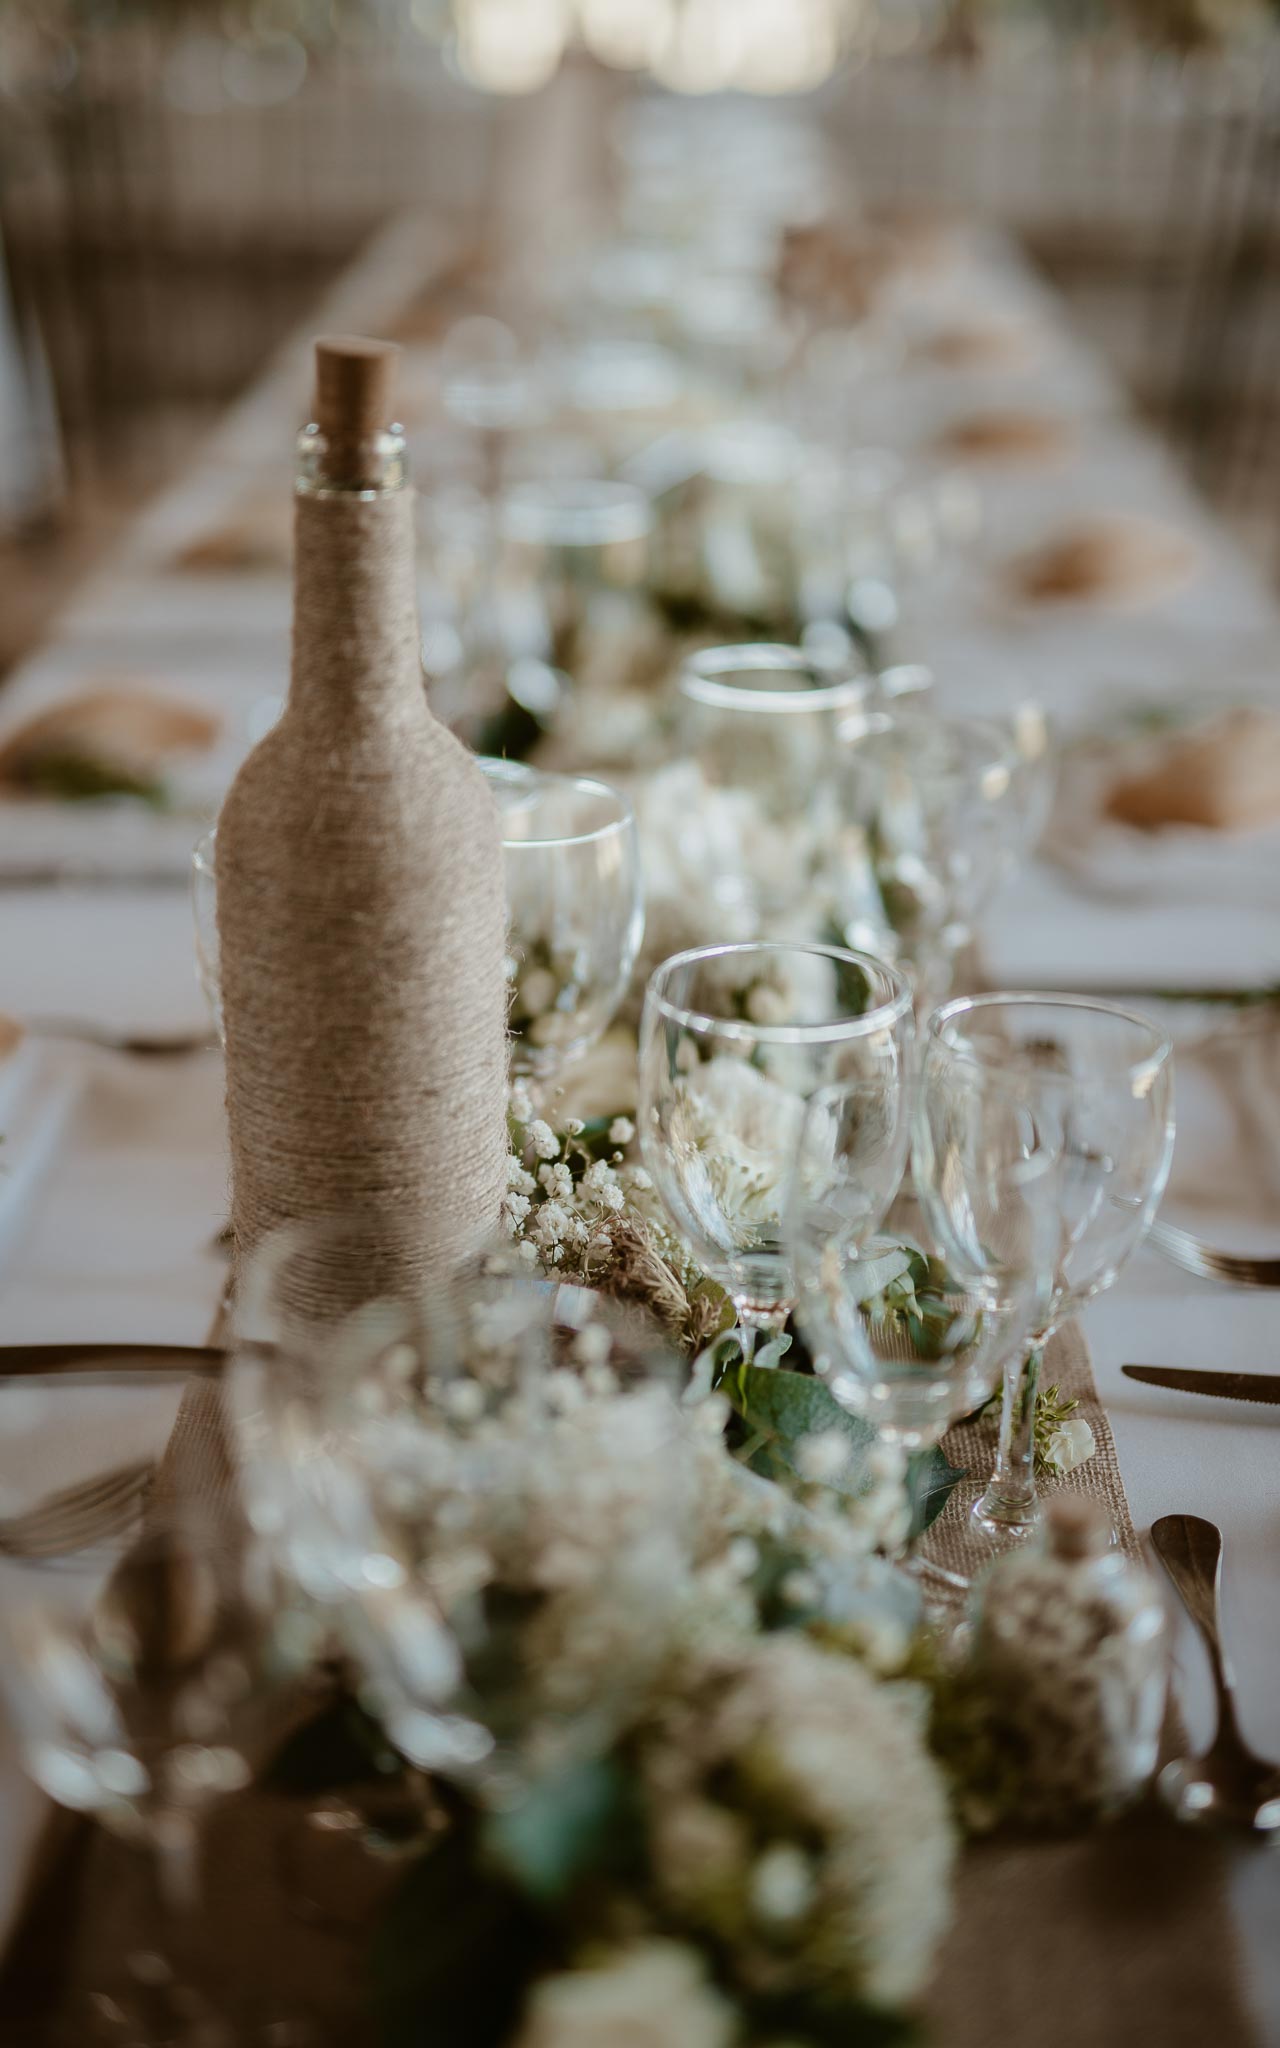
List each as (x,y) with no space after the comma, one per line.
(361,925)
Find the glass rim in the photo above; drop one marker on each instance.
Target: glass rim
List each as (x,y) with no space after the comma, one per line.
(907,714)
(882,1017)
(584,785)
(702,679)
(1160,1054)
(576,512)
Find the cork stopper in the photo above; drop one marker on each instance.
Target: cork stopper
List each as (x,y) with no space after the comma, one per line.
(355,393)
(1076,1528)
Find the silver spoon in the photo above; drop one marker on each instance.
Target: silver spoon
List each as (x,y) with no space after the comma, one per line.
(1228,1783)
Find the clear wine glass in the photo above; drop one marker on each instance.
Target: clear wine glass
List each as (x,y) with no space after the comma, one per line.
(386,1445)
(937,799)
(349,1377)
(1013,1085)
(763,720)
(573,557)
(900,1336)
(138,1678)
(575,911)
(734,1041)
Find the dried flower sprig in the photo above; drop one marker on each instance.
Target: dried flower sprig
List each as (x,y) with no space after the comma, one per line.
(579,1210)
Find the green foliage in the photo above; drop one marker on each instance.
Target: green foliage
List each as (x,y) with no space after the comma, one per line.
(72,777)
(576,1823)
(777,1410)
(798,2020)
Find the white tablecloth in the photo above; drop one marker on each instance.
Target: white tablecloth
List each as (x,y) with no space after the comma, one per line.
(117,1243)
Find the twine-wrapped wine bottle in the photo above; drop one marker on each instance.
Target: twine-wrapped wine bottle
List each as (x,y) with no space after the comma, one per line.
(360,891)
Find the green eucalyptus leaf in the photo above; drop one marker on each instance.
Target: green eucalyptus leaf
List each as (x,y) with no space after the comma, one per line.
(770,1355)
(876,1275)
(83,778)
(776,1410)
(573,1822)
(931,1480)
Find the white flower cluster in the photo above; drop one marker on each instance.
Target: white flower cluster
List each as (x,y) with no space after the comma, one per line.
(843,1893)
(560,1218)
(654,1995)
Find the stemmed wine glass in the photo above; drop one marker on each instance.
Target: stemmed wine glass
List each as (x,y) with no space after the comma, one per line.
(764,720)
(1012,1083)
(938,801)
(733,1042)
(387,1434)
(899,1336)
(138,1676)
(575,912)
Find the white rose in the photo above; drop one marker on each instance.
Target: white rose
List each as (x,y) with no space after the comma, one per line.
(653,1996)
(1070,1445)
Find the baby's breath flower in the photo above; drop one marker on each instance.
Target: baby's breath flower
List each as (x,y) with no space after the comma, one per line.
(575,1127)
(543,1139)
(801,1589)
(551,1225)
(823,1456)
(557,1180)
(782,1883)
(592,1345)
(521,1102)
(518,1178)
(621,1131)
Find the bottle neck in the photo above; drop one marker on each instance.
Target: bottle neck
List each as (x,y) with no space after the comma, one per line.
(372,468)
(356,649)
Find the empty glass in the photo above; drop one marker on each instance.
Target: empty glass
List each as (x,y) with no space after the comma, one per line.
(764,721)
(1012,1087)
(734,1040)
(938,801)
(900,1336)
(136,1677)
(575,911)
(574,552)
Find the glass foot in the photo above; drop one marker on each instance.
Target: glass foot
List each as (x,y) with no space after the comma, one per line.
(1004,1522)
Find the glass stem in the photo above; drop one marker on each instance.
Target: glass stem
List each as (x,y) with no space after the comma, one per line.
(171,2012)
(1011,1496)
(753,1322)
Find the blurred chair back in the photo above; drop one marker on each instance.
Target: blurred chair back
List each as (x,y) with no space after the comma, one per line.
(172,202)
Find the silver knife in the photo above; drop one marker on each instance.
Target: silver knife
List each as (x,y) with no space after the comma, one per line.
(36,1358)
(1227,1386)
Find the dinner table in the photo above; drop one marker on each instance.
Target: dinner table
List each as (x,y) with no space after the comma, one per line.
(114,1173)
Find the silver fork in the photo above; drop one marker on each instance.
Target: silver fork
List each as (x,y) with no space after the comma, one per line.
(74,1520)
(1193,1255)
